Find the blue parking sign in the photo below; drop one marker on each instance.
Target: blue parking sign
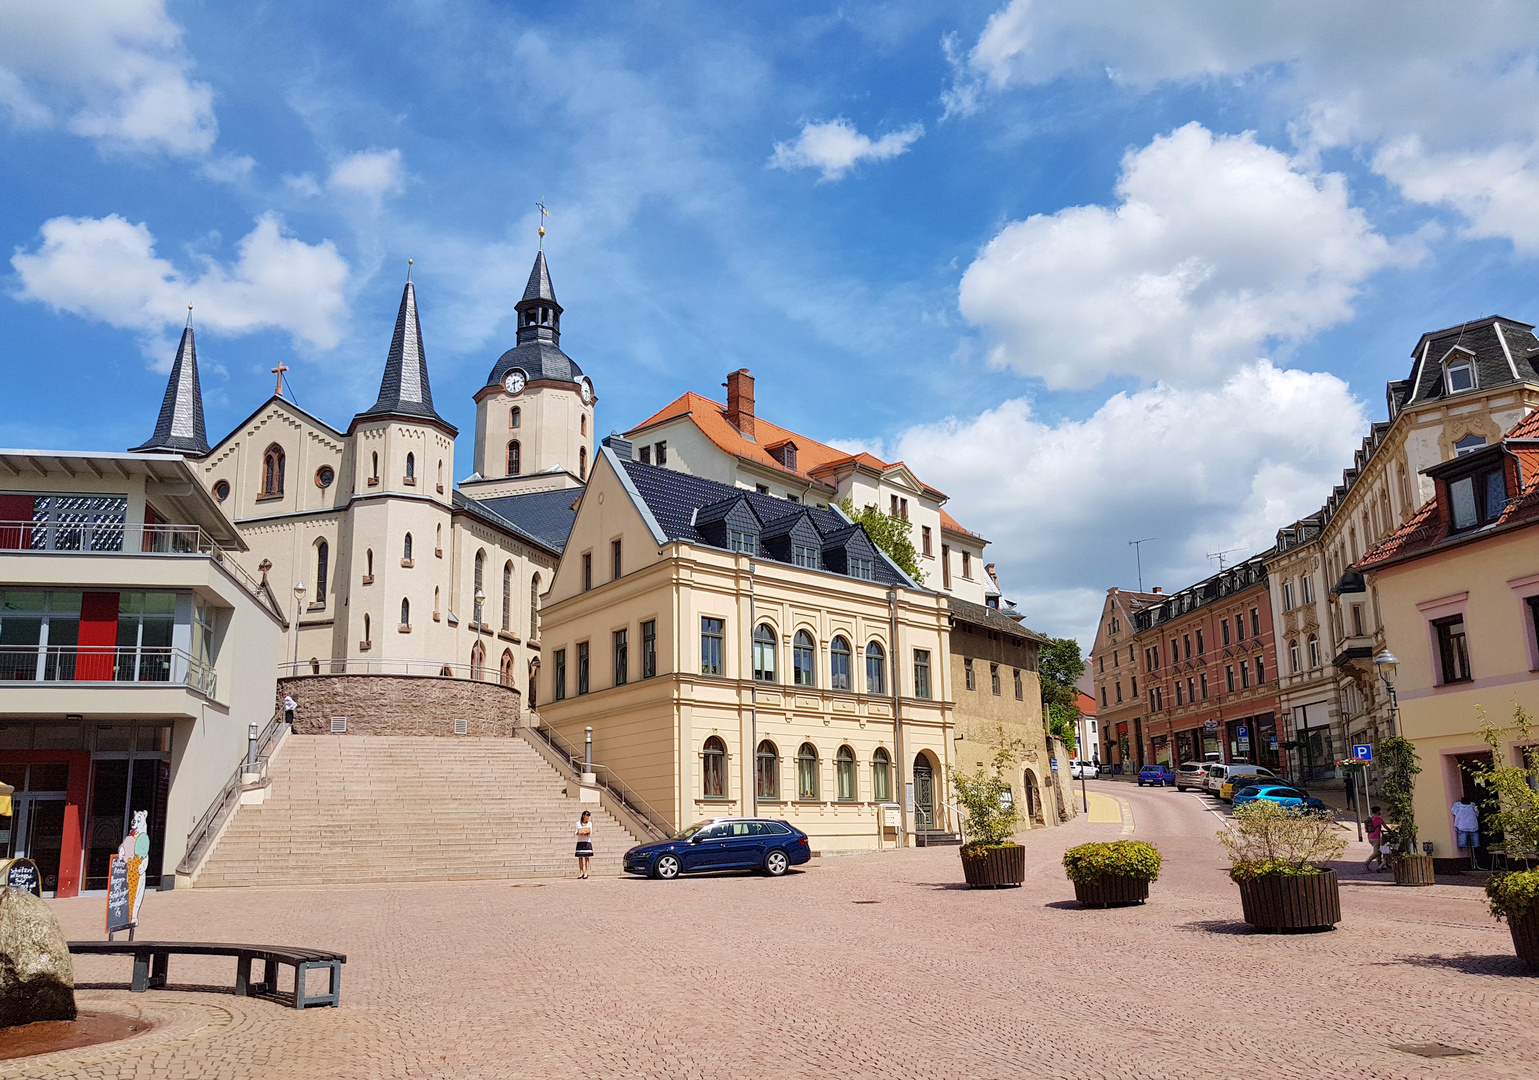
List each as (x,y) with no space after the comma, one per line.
(1362,752)
(1243,732)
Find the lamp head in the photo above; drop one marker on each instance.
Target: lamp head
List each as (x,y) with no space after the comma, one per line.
(299,590)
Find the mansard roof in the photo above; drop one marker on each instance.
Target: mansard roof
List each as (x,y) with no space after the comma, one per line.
(1504,351)
(404,390)
(180,426)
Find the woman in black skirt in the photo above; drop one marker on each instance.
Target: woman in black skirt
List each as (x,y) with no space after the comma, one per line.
(584,843)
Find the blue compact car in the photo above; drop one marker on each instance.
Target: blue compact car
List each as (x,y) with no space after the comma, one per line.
(1292,798)
(722,844)
(1158,775)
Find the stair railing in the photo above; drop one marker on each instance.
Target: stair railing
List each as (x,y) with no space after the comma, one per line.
(248,776)
(572,758)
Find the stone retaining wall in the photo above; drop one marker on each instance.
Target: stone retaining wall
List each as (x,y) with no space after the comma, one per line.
(402,705)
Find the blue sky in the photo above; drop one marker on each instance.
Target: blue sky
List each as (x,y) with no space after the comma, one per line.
(1098,269)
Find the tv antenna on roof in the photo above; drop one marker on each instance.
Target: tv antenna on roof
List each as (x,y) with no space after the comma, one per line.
(1138,554)
(1219,555)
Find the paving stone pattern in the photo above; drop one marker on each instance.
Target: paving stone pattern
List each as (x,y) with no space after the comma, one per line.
(876,965)
(347,809)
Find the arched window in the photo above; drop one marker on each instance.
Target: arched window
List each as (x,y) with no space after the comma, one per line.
(272,470)
(411,467)
(405,612)
(714,769)
(534,678)
(766,771)
(374,476)
(505,668)
(366,637)
(876,669)
(803,657)
(516,417)
(477,660)
(807,772)
(1314,652)
(844,775)
(534,608)
(582,463)
(368,566)
(322,566)
(584,425)
(406,548)
(438,541)
(478,594)
(839,664)
(436,608)
(1293,656)
(507,596)
(440,474)
(515,458)
(764,653)
(881,776)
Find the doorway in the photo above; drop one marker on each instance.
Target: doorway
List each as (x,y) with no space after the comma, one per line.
(1033,798)
(924,794)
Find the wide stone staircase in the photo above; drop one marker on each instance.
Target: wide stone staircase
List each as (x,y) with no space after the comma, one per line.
(375,808)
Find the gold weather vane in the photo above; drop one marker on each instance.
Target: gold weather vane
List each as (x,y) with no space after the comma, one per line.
(544,213)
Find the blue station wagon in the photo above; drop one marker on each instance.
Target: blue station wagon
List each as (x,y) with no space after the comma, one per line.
(722,844)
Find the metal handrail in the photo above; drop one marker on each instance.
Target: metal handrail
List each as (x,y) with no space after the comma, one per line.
(207,826)
(956,815)
(638,806)
(106,663)
(364,665)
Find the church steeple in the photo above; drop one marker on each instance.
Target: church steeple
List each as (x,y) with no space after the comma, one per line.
(180,429)
(539,316)
(404,389)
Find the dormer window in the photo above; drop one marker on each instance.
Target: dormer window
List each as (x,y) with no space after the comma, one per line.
(746,543)
(1477,500)
(1460,374)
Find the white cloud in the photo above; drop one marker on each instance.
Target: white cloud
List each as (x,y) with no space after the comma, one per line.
(1202,470)
(1216,247)
(107,269)
(110,70)
(835,147)
(1423,89)
(372,174)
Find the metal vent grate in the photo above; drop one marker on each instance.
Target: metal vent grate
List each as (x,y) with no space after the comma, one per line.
(339,725)
(462,727)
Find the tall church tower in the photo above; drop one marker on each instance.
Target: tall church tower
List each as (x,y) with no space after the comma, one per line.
(534,417)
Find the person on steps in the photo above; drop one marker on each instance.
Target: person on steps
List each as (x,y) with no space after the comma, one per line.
(584,843)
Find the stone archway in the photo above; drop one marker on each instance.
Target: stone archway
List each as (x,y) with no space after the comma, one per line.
(928,793)
(1033,799)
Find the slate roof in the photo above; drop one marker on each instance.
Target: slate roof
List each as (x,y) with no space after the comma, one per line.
(404,389)
(1505,351)
(673,497)
(538,360)
(478,508)
(545,515)
(992,619)
(180,426)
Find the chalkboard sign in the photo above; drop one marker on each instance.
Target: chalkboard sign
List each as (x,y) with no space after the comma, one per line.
(119,908)
(23,874)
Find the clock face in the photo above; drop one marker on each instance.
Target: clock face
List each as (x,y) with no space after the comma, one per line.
(514,382)
(586,390)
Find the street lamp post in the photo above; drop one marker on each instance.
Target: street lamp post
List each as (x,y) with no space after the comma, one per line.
(299,599)
(1387,664)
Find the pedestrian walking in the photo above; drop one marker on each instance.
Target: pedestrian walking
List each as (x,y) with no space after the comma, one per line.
(584,843)
(289,705)
(1375,837)
(1466,819)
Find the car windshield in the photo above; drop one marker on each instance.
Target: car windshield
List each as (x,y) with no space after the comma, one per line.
(685,834)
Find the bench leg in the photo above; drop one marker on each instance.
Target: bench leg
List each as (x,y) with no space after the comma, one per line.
(243,975)
(299,985)
(141,981)
(269,975)
(160,965)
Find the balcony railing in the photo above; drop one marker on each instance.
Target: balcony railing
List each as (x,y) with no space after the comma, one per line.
(489,672)
(105,663)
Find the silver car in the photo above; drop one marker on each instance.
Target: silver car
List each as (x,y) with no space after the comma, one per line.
(1191,774)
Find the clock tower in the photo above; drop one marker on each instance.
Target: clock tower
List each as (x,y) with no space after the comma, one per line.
(534,417)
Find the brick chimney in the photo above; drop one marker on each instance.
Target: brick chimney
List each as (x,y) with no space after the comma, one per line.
(740,401)
(1157,589)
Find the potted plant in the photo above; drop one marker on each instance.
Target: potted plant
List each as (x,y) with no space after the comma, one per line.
(1276,854)
(1112,874)
(991,857)
(1514,895)
(1400,762)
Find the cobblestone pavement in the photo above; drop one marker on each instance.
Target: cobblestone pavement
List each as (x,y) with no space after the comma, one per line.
(865,966)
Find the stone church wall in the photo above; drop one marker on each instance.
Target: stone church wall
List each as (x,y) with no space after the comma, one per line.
(402,705)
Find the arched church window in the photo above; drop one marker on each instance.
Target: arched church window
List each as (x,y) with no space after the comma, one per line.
(374,476)
(411,467)
(507,596)
(435,603)
(584,425)
(406,549)
(272,471)
(479,594)
(368,566)
(405,612)
(582,463)
(515,458)
(534,608)
(322,561)
(366,638)
(516,417)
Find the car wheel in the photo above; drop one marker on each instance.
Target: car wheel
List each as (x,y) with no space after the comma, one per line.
(667,867)
(776,863)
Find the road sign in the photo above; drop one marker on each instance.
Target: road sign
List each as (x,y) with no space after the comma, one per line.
(1054,763)
(1362,752)
(1243,732)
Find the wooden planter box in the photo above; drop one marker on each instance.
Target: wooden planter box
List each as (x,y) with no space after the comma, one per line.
(1111,890)
(1525,936)
(1306,902)
(996,867)
(1413,870)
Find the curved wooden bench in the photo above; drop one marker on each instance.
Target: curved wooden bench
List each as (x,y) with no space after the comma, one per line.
(152,960)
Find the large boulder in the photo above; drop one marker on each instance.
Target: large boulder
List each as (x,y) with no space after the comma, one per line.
(37,980)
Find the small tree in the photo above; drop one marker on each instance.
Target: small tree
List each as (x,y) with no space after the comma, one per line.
(1063,724)
(894,535)
(1266,839)
(992,813)
(1401,764)
(1514,803)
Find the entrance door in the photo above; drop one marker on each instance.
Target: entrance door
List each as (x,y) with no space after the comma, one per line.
(38,834)
(924,794)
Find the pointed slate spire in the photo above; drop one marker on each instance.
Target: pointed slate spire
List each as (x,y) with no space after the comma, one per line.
(404,389)
(180,427)
(539,316)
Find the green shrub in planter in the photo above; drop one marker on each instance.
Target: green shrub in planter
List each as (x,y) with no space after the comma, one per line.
(1268,840)
(1118,858)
